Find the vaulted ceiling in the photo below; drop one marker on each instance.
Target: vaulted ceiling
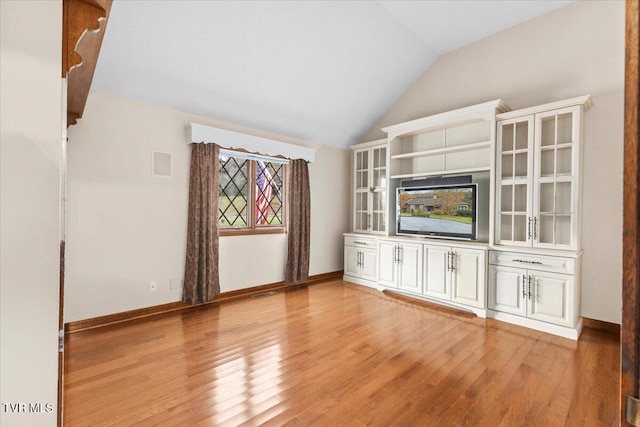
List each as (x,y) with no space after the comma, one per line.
(322,71)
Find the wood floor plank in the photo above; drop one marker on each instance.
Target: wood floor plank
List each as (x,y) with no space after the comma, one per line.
(336,354)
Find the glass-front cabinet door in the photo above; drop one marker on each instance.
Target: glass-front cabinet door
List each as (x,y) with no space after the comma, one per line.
(556,178)
(537,173)
(514,164)
(370,182)
(361,190)
(379,194)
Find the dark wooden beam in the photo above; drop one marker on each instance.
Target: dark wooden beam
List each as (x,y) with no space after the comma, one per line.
(83,26)
(629,337)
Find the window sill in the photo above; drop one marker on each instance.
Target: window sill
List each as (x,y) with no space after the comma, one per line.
(223,232)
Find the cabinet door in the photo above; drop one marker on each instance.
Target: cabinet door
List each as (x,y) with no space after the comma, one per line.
(556,178)
(379,184)
(351,267)
(508,290)
(362,184)
(410,276)
(468,276)
(551,298)
(368,269)
(436,272)
(514,164)
(387,270)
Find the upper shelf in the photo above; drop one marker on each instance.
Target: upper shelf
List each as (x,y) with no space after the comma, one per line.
(446,150)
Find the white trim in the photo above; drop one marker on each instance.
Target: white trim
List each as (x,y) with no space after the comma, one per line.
(197,133)
(472,114)
(377,142)
(550,328)
(585,101)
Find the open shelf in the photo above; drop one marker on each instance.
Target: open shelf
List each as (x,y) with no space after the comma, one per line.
(446,150)
(440,172)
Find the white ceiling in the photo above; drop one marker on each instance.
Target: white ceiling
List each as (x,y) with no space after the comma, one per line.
(322,71)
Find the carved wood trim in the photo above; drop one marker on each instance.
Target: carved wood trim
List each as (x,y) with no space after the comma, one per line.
(83,26)
(629,331)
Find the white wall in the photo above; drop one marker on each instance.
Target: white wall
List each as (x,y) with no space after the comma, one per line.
(573,51)
(127,228)
(31,129)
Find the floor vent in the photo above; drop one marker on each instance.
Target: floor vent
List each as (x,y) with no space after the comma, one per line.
(264,294)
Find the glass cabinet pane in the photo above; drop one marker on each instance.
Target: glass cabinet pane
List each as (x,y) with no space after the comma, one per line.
(563,161)
(548,131)
(565,128)
(507,166)
(563,230)
(519,228)
(507,137)
(547,163)
(522,136)
(545,229)
(506,227)
(520,198)
(564,198)
(546,198)
(506,196)
(521,165)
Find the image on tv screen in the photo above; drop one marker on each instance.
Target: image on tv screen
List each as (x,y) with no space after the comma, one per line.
(438,211)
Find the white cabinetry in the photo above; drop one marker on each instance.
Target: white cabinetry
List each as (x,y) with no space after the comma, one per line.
(400,265)
(370,182)
(538,176)
(360,260)
(458,141)
(538,291)
(455,274)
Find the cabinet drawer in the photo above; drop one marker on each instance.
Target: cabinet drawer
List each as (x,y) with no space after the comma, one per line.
(361,242)
(533,262)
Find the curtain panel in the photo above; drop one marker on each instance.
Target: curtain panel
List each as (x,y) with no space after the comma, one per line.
(201,280)
(299,211)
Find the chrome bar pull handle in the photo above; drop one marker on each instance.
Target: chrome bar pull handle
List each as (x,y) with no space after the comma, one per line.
(529,283)
(529,228)
(524,287)
(453,260)
(535,227)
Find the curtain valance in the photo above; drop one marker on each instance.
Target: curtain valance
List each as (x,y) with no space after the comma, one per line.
(197,133)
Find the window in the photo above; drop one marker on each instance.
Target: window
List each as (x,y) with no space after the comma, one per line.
(252,194)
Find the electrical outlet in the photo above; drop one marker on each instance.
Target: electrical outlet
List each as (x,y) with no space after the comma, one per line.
(175,284)
(153,286)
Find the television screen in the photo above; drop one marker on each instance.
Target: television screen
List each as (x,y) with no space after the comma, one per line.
(443,211)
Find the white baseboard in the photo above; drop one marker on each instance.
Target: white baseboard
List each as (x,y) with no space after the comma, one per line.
(562,331)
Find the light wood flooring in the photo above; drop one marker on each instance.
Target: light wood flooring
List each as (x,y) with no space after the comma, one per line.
(336,354)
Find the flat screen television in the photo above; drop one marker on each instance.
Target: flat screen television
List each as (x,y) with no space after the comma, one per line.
(447,211)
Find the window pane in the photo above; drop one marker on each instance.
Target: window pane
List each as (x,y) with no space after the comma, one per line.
(234,192)
(269,193)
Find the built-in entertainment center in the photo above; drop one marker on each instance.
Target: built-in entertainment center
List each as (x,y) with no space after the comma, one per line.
(477,208)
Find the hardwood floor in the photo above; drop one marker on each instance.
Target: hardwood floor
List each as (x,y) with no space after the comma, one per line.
(336,354)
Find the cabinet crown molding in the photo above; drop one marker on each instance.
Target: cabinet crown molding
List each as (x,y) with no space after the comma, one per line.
(473,113)
(584,100)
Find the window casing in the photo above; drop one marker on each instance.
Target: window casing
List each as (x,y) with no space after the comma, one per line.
(251,194)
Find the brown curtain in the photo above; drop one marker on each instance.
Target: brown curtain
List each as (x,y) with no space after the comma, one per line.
(201,278)
(299,211)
